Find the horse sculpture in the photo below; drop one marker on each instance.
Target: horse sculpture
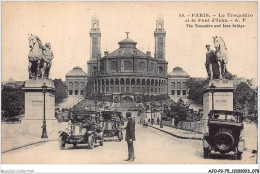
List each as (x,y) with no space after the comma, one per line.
(40,58)
(221,56)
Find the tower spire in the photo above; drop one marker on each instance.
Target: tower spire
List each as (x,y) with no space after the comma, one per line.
(95,38)
(159,36)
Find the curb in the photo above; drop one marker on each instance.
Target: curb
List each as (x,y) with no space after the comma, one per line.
(177,136)
(26,145)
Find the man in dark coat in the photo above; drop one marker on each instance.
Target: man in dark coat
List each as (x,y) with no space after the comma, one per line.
(130,137)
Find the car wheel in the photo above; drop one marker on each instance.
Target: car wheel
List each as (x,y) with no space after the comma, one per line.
(120,136)
(74,144)
(206,152)
(61,143)
(91,140)
(224,141)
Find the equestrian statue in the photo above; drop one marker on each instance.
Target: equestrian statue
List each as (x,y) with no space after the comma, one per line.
(216,61)
(40,58)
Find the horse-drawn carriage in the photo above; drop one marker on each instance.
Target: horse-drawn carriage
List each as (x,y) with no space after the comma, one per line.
(113,122)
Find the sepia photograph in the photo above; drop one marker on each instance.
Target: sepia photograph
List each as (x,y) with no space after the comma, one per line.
(129,83)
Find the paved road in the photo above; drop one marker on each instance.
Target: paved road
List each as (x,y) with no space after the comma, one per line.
(152,146)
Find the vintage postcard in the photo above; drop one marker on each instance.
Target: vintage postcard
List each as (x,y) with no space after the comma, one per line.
(129,82)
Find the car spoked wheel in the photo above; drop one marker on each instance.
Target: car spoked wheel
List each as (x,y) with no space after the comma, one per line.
(62,143)
(74,144)
(224,141)
(91,141)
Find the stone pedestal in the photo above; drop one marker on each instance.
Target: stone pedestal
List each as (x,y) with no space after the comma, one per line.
(34,100)
(223,98)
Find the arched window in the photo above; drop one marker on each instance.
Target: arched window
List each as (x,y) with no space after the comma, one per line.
(161,70)
(172,85)
(70,85)
(122,81)
(116,82)
(132,81)
(94,25)
(98,82)
(112,82)
(156,82)
(152,82)
(76,85)
(107,82)
(127,82)
(113,65)
(138,82)
(184,85)
(178,85)
(103,82)
(128,65)
(148,82)
(142,66)
(143,81)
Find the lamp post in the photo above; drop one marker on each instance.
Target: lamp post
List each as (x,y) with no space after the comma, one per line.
(44,131)
(95,105)
(212,90)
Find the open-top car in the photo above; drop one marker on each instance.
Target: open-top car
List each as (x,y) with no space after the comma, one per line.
(224,130)
(113,122)
(85,127)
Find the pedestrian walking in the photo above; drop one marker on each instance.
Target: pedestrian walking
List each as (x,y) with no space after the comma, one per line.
(158,121)
(130,137)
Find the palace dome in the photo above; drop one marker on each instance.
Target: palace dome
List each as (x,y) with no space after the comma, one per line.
(178,72)
(76,71)
(127,49)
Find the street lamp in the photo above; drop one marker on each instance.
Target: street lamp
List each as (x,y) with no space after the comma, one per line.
(95,105)
(212,90)
(44,131)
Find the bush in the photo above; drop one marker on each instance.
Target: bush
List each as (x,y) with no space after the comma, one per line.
(12,102)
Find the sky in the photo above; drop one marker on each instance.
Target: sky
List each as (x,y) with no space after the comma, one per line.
(66,26)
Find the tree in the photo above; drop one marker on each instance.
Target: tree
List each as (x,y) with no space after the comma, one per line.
(196,89)
(12,101)
(61,91)
(244,99)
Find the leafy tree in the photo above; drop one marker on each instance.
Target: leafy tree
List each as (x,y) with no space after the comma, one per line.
(244,99)
(12,101)
(61,92)
(196,89)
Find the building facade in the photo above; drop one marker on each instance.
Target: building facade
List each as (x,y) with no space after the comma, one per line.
(177,86)
(76,81)
(128,74)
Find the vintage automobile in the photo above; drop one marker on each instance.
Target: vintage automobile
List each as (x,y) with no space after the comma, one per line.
(113,122)
(85,127)
(224,129)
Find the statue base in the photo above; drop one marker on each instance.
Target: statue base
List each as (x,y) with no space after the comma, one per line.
(34,99)
(222,98)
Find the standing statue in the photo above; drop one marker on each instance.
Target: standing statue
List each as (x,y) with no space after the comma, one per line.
(221,55)
(40,58)
(210,60)
(216,60)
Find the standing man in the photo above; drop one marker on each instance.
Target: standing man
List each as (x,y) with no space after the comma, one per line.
(210,55)
(130,137)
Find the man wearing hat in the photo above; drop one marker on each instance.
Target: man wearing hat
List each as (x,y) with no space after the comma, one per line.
(210,55)
(130,137)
